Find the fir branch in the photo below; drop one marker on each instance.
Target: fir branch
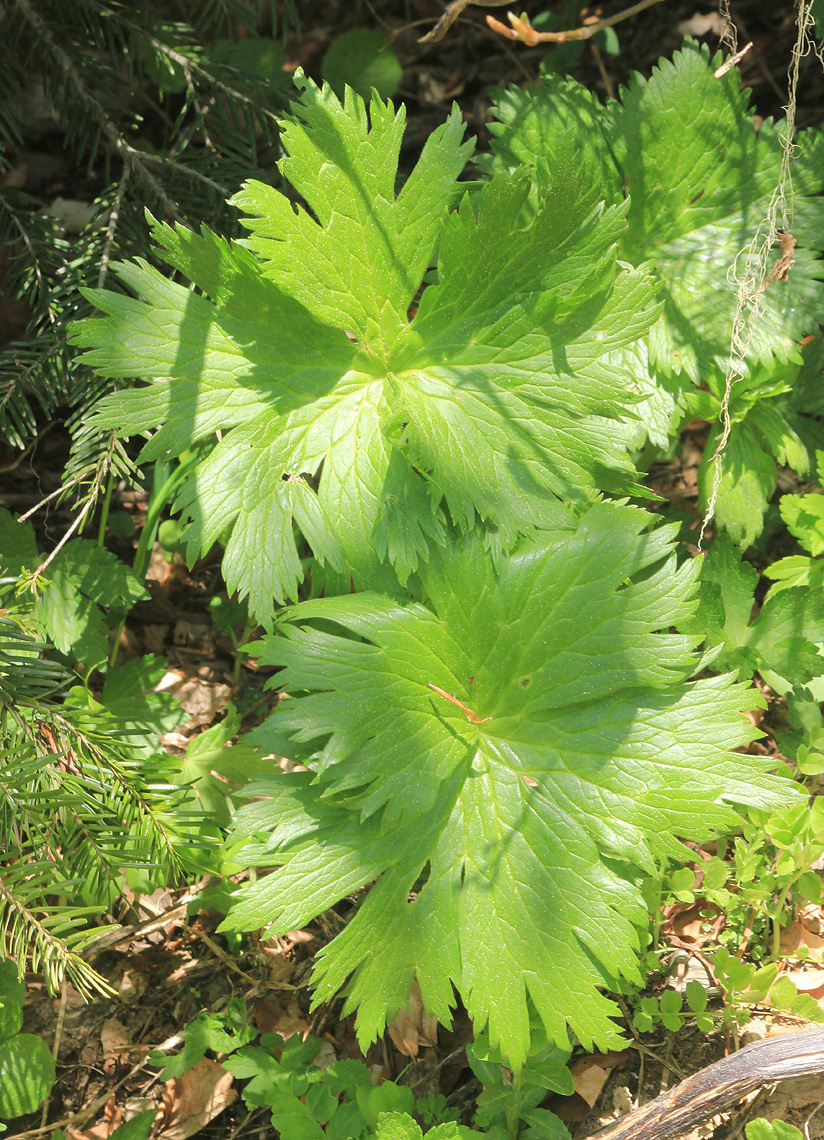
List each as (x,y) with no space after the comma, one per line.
(111,226)
(28,938)
(106,125)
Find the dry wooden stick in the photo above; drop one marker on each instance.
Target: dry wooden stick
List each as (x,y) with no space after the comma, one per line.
(719,1086)
(451,14)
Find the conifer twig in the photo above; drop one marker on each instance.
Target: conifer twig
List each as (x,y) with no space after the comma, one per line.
(94,105)
(111,227)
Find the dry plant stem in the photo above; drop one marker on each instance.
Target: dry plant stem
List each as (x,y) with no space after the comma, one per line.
(221,954)
(758,59)
(238,1128)
(664,1082)
(523,30)
(453,1056)
(775,919)
(729,36)
(468,713)
(58,1035)
(644,1050)
(754,279)
(605,79)
(749,1112)
(817,1108)
(78,522)
(732,61)
(22,456)
(125,933)
(71,483)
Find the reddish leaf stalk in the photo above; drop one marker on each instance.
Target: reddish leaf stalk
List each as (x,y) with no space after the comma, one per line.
(468,713)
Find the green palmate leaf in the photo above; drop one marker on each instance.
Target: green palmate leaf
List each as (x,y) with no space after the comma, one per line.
(726,602)
(209,764)
(207,1031)
(401,1126)
(501,763)
(81,579)
(129,705)
(546,1069)
(294,1121)
(804,516)
(762,1129)
(341,418)
(685,149)
(748,467)
(805,520)
(782,642)
(787,636)
(138,1128)
(795,570)
(266,1076)
(770,420)
(363,58)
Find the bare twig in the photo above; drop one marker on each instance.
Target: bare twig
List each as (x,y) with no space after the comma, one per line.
(522,30)
(75,526)
(451,14)
(732,61)
(58,1035)
(71,483)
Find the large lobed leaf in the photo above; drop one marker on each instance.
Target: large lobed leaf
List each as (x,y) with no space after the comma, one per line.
(699,173)
(505,840)
(335,414)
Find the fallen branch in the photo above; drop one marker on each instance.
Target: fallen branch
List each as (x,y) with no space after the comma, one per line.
(719,1086)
